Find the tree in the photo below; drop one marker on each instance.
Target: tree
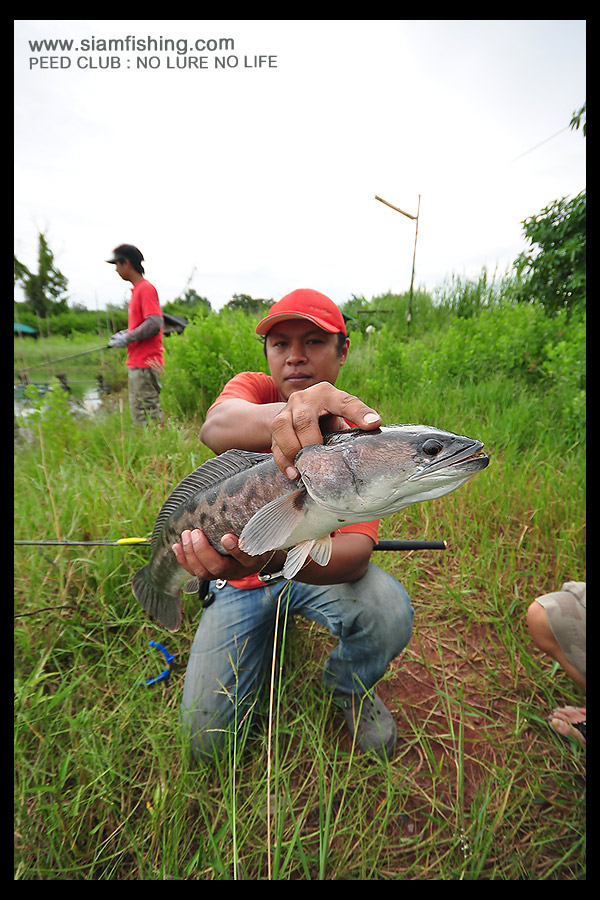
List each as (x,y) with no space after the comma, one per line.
(193,301)
(554,266)
(189,304)
(249,305)
(554,270)
(44,291)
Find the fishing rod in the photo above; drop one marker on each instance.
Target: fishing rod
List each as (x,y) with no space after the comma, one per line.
(67,543)
(144,542)
(63,358)
(410,545)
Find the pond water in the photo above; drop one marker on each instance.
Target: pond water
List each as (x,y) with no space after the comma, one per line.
(87,401)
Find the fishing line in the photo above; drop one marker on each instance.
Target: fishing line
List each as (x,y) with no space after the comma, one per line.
(62,359)
(531,149)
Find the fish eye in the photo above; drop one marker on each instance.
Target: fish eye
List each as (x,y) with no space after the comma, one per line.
(431,447)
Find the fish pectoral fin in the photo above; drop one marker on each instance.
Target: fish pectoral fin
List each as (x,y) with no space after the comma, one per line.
(319,550)
(271,526)
(192,586)
(296,558)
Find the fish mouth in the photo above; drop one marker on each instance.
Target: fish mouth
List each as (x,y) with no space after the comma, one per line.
(477,460)
(472,458)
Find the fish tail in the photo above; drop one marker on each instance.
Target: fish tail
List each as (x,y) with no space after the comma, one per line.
(158,603)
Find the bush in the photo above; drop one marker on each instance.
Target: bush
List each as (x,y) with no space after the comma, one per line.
(564,367)
(509,339)
(199,362)
(514,349)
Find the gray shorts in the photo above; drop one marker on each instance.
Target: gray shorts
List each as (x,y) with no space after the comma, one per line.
(566,614)
(144,395)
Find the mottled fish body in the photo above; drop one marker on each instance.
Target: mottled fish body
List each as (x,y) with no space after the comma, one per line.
(354,476)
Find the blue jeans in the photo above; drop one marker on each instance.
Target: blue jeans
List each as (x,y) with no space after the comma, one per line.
(232,649)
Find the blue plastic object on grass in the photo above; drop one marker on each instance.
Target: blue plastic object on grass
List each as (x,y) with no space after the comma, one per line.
(169,659)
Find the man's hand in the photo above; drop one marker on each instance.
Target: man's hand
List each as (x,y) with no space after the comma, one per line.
(198,557)
(119,339)
(311,413)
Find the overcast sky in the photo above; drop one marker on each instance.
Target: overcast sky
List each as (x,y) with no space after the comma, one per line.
(262,179)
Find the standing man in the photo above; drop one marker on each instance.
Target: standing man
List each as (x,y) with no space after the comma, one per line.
(365,609)
(143,337)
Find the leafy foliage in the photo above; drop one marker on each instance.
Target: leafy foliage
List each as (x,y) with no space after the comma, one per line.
(44,290)
(199,362)
(249,305)
(501,348)
(576,120)
(191,302)
(554,267)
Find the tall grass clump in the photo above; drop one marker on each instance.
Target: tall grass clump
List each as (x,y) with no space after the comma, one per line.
(478,788)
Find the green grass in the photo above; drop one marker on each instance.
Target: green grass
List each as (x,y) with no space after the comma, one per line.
(479,788)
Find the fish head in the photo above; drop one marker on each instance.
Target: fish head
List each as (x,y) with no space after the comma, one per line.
(379,472)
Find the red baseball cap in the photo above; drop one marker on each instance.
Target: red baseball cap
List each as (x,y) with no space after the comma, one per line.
(305,304)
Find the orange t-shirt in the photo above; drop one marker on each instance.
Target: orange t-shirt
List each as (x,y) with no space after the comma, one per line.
(257,387)
(144,302)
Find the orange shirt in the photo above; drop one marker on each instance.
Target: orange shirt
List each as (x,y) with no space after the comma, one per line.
(144,302)
(257,387)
